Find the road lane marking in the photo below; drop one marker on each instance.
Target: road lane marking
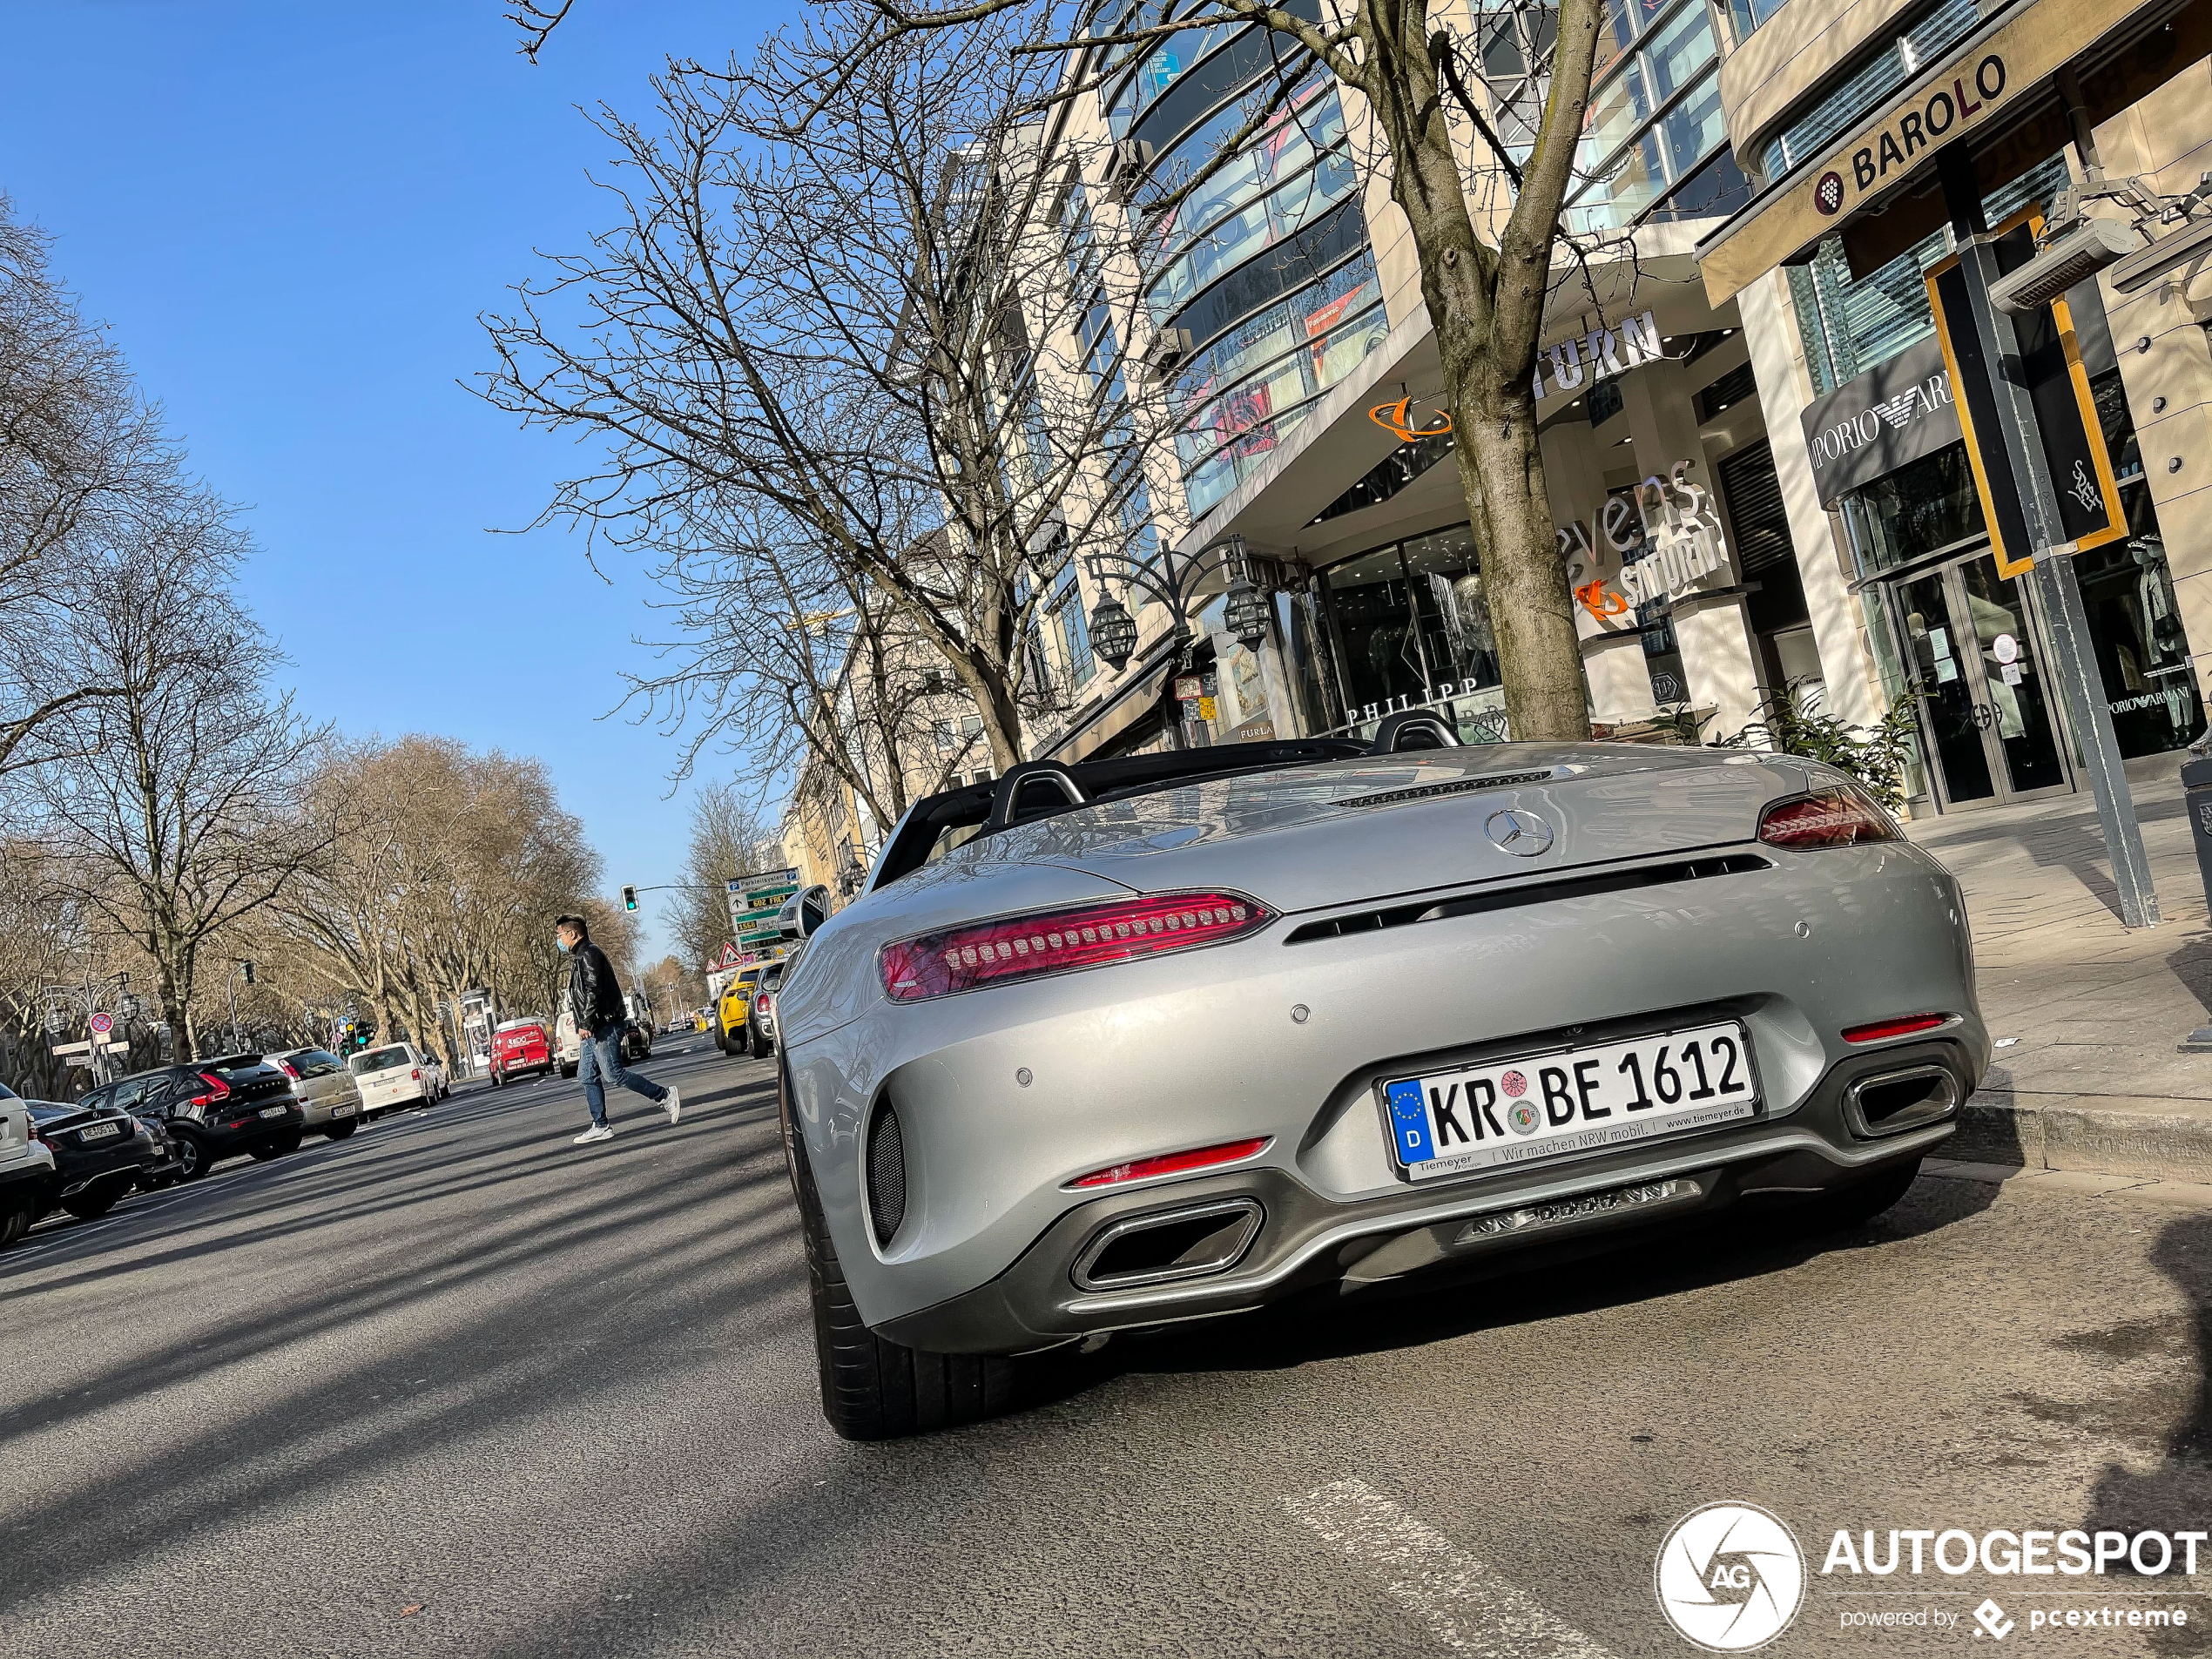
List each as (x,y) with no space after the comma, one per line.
(1469,1606)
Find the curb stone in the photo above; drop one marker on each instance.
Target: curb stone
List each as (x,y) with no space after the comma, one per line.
(2148,1145)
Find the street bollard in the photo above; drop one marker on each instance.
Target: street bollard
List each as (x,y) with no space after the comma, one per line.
(2196,784)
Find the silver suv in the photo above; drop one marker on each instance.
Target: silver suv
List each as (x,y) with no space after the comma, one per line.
(26,1169)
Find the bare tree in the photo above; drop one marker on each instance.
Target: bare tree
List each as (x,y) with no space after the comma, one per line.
(82,461)
(730,838)
(877,332)
(173,802)
(1486,273)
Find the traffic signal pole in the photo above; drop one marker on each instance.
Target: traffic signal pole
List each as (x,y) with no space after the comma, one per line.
(2058,590)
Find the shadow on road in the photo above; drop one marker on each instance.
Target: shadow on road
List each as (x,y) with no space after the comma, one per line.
(2158,1396)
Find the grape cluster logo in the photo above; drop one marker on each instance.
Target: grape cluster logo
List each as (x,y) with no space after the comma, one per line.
(1729,1577)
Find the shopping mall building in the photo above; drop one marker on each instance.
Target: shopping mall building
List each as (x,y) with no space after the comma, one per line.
(1803,425)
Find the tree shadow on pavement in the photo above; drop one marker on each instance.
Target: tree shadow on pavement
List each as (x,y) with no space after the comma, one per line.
(2159,1397)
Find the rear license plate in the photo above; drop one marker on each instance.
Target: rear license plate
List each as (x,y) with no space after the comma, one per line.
(1568,1101)
(342,1111)
(99,1131)
(272,1111)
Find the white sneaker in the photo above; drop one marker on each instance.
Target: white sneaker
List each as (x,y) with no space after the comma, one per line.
(597,1132)
(674,1104)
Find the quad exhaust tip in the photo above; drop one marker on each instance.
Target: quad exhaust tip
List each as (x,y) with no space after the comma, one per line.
(1166,1245)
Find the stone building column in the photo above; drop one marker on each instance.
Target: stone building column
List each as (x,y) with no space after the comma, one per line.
(1716,635)
(1854,690)
(2158,338)
(1612,649)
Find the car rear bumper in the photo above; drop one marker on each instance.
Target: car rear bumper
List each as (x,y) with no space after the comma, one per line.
(1303,1241)
(1005,1097)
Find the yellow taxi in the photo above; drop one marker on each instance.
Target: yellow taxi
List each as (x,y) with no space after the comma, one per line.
(733,1028)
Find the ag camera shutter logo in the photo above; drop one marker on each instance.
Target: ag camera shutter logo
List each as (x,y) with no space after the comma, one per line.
(1729,1577)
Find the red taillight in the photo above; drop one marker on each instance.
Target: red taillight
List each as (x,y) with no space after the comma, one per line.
(217,1090)
(1204,1157)
(1904,1026)
(288,1069)
(1054,941)
(1833,817)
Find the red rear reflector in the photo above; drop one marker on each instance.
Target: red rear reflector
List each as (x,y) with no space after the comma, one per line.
(1903,1027)
(1833,817)
(1204,1157)
(1054,941)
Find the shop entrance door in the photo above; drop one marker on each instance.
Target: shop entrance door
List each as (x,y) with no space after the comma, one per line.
(1992,735)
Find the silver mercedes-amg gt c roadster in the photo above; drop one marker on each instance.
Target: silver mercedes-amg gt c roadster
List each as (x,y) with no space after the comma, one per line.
(1168,1037)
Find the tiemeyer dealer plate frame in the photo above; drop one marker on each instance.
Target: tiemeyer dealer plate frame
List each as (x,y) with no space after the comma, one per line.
(1500,1127)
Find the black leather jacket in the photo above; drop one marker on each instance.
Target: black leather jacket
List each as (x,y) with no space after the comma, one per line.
(594,997)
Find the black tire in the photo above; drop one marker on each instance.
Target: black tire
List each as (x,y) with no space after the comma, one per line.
(192,1159)
(755,1041)
(14,1222)
(1858,1203)
(568,1071)
(873,1389)
(95,1202)
(276,1147)
(339,1128)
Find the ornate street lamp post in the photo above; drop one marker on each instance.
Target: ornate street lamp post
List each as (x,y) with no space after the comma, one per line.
(1175,581)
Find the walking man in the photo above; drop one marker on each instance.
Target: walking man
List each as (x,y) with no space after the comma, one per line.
(596,1005)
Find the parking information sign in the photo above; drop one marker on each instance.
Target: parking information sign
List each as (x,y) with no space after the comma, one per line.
(754,900)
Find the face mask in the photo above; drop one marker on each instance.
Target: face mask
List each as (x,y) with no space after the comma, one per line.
(562,944)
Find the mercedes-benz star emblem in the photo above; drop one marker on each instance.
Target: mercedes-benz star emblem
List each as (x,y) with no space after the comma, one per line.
(1522,834)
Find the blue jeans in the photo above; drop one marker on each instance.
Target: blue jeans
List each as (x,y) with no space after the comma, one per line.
(601,1058)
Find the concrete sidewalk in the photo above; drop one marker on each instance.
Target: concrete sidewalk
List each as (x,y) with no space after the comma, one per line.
(2088,1014)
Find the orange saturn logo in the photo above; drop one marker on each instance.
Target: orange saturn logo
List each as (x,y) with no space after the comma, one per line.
(1395,417)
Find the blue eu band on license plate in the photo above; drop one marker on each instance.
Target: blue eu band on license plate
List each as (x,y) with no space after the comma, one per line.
(1570,1100)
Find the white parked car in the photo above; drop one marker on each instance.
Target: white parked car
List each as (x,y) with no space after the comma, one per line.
(390,1077)
(567,1046)
(26,1169)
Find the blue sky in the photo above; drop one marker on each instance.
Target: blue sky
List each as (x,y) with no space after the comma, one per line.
(290,216)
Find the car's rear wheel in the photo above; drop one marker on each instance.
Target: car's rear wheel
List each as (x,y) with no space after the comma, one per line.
(758,1043)
(15,1221)
(873,1389)
(276,1147)
(192,1160)
(339,1128)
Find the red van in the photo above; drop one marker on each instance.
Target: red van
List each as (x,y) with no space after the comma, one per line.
(518,1049)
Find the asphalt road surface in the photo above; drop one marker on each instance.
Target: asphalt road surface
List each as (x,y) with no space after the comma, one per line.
(456,1387)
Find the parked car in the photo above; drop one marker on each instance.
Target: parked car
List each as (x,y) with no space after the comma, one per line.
(567,1045)
(1174,1036)
(519,1049)
(434,1073)
(390,1077)
(100,1152)
(212,1108)
(169,1164)
(733,1028)
(764,1007)
(329,1099)
(26,1169)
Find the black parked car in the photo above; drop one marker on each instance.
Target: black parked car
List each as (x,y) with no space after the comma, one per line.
(213,1109)
(100,1153)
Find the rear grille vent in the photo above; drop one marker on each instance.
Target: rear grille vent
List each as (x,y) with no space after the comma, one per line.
(1535,893)
(886,1175)
(1463,786)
